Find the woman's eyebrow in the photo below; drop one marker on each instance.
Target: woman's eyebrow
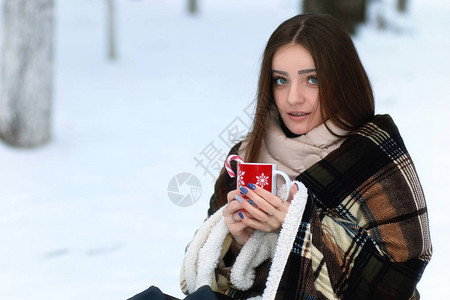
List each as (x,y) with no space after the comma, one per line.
(280,72)
(306,71)
(300,72)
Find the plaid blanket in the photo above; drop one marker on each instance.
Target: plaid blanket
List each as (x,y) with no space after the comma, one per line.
(364,234)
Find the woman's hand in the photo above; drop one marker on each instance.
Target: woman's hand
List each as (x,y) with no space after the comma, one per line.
(267,210)
(232,213)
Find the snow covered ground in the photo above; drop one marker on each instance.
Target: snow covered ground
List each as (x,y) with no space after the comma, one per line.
(88,216)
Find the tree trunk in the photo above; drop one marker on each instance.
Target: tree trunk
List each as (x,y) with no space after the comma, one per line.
(27,72)
(111,20)
(401,5)
(192,7)
(349,12)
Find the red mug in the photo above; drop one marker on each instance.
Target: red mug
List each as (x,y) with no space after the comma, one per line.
(261,174)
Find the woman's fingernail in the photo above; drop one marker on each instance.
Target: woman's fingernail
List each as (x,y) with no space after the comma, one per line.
(243,190)
(251,186)
(298,189)
(251,202)
(241,215)
(239,199)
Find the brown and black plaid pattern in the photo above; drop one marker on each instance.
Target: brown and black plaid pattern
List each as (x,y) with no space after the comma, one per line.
(365,232)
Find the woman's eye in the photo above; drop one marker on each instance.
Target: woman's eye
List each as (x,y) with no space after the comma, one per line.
(280,81)
(313,80)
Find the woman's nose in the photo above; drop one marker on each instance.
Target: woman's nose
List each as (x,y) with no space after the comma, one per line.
(296,93)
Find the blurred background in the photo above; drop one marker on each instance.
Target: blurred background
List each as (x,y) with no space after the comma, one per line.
(116,116)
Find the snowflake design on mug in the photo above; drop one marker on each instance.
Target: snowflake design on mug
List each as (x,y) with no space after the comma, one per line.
(262,180)
(241,178)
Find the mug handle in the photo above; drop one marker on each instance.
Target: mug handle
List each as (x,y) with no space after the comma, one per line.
(287,180)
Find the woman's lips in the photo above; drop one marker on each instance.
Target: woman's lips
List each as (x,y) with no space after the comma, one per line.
(298,116)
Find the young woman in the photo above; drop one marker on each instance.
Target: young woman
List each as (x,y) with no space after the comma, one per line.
(356,226)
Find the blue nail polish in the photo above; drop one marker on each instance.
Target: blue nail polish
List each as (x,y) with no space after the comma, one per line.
(251,186)
(244,190)
(239,199)
(251,202)
(241,215)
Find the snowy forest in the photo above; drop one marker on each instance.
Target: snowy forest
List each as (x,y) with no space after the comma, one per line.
(116,117)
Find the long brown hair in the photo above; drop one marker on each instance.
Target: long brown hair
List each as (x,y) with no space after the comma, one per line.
(345,94)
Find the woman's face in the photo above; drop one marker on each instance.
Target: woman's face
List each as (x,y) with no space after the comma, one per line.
(296,89)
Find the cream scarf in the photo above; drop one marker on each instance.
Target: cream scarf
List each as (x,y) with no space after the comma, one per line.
(295,155)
